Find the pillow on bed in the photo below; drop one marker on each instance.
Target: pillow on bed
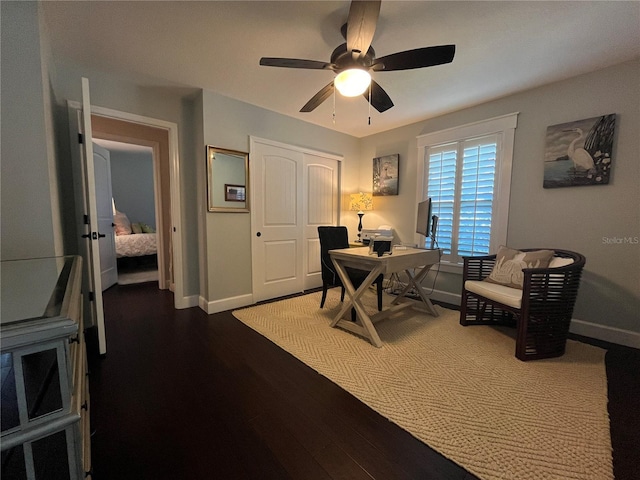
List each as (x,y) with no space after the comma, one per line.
(136,227)
(147,229)
(122,224)
(509,264)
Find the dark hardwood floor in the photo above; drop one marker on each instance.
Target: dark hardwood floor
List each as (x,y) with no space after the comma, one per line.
(186,395)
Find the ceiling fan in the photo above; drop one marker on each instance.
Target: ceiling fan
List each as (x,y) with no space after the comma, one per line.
(353,60)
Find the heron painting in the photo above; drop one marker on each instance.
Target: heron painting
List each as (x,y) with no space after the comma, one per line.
(579,153)
(385,175)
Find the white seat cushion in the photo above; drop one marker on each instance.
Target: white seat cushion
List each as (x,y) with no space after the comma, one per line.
(560,262)
(493,291)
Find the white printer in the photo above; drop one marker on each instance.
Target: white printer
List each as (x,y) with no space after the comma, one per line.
(382,231)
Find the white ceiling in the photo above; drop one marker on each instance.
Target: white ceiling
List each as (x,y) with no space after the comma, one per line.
(501,48)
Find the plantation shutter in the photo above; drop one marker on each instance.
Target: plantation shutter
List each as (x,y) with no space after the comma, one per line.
(441,187)
(461,184)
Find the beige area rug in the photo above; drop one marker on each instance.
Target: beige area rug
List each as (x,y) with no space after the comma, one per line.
(459,389)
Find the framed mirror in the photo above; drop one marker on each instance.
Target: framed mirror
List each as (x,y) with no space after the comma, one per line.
(227,180)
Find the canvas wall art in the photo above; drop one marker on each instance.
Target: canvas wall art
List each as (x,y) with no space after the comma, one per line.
(579,153)
(385,175)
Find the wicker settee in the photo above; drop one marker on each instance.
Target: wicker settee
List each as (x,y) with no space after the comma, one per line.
(541,311)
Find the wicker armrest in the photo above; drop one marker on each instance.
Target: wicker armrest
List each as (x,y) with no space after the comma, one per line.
(553,289)
(477,268)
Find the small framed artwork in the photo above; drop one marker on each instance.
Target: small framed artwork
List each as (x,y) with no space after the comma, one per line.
(234,193)
(579,153)
(385,175)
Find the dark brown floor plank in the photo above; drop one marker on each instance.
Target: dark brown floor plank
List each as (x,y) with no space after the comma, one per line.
(182,395)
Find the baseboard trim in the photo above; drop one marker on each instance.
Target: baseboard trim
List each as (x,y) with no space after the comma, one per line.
(186,302)
(606,333)
(225,303)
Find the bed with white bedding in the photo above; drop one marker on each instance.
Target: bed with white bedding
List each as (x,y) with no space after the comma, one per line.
(136,245)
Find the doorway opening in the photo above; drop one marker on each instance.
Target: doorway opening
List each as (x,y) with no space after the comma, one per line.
(152,143)
(132,201)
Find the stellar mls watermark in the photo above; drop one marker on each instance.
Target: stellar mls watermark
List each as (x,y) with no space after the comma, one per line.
(620,240)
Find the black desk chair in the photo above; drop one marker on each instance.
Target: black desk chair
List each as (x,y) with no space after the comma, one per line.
(337,237)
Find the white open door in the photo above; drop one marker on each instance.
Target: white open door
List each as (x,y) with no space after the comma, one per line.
(87,215)
(104,205)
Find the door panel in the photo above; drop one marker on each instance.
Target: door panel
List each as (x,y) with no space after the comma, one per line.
(276,190)
(320,195)
(106,244)
(280,260)
(313,260)
(87,214)
(293,192)
(322,205)
(280,176)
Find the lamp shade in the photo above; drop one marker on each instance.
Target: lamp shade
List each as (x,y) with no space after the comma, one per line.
(361,202)
(352,82)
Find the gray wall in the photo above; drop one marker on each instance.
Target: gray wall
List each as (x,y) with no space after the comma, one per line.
(577,218)
(132,185)
(137,96)
(227,236)
(30,209)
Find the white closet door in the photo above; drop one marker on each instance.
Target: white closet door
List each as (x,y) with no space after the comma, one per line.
(321,207)
(276,221)
(293,190)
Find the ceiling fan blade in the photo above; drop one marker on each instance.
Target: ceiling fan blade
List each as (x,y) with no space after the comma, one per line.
(294,63)
(361,25)
(318,98)
(418,58)
(379,98)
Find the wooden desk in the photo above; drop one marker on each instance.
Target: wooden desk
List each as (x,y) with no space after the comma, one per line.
(399,260)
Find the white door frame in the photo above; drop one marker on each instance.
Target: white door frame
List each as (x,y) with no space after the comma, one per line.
(180,300)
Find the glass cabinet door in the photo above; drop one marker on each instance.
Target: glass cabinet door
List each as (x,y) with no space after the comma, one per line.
(9,414)
(42,382)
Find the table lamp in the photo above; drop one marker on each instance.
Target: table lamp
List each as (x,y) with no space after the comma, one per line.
(361,202)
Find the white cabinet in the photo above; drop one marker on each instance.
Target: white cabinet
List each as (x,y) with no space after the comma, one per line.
(45,391)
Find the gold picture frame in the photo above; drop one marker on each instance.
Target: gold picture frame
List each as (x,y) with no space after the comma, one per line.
(227,180)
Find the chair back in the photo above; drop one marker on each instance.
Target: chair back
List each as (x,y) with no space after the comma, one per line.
(331,237)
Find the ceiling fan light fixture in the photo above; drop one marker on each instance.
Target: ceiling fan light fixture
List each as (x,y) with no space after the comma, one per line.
(352,82)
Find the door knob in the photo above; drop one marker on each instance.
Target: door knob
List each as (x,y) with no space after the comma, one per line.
(258,234)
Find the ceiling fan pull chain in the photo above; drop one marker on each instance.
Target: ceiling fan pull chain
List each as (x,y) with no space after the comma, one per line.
(334,106)
(369,104)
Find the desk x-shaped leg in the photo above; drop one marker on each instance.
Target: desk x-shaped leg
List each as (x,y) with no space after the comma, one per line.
(365,326)
(415,282)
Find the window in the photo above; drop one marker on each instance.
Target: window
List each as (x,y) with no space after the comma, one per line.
(466,172)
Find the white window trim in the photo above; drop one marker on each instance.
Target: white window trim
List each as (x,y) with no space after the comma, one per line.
(505,126)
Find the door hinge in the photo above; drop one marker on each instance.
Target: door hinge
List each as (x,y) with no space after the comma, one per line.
(86,219)
(80,138)
(92,296)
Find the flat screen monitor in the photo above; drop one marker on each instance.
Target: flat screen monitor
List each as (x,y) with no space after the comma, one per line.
(423,222)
